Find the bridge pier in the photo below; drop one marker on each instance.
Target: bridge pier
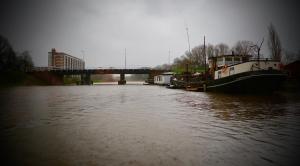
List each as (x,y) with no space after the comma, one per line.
(122,80)
(86,79)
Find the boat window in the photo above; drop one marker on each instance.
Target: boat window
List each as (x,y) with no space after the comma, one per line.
(237,60)
(220,61)
(228,61)
(219,74)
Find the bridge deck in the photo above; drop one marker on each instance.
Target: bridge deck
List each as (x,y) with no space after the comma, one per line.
(103,71)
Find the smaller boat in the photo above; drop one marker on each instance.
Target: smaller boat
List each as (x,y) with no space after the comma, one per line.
(163,79)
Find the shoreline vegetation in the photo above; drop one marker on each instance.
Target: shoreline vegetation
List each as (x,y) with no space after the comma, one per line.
(196,57)
(14,65)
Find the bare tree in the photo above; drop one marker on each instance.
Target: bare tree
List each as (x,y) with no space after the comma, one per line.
(11,61)
(216,51)
(7,56)
(222,48)
(210,51)
(290,57)
(244,48)
(198,54)
(257,48)
(181,61)
(274,43)
(24,61)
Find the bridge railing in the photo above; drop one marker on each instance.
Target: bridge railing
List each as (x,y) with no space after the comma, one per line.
(119,67)
(44,68)
(91,68)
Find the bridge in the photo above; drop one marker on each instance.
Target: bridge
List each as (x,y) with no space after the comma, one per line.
(55,76)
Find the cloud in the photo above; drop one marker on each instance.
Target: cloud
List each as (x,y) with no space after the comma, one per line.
(148,29)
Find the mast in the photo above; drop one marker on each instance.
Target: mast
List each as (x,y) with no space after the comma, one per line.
(188,38)
(204,84)
(204,60)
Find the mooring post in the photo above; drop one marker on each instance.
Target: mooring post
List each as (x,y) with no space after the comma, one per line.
(122,79)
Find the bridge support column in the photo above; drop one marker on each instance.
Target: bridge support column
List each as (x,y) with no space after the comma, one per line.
(86,79)
(122,79)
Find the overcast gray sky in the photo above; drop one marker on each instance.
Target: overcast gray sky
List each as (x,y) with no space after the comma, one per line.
(102,29)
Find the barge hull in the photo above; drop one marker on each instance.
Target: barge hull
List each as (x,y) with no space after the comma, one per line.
(249,82)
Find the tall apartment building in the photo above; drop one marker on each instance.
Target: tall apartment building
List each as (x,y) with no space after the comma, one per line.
(61,60)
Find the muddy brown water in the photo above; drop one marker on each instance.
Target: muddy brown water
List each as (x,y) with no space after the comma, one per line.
(146,125)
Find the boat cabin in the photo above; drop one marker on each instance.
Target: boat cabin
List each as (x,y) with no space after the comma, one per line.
(228,60)
(163,79)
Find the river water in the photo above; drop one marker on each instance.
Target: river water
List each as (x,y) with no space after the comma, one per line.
(146,125)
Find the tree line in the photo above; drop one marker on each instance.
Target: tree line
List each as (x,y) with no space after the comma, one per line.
(11,61)
(196,57)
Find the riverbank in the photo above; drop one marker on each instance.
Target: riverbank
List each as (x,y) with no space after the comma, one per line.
(10,79)
(16,78)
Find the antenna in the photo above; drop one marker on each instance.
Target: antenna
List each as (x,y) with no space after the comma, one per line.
(258,51)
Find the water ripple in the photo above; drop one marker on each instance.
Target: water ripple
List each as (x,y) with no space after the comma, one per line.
(147,125)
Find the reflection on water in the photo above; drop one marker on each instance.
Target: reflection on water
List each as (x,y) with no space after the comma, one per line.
(241,107)
(146,125)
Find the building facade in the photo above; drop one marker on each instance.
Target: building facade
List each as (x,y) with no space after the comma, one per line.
(61,60)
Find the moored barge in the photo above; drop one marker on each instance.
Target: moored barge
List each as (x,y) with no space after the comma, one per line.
(236,73)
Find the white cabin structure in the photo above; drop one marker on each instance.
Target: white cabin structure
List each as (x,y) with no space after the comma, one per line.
(227,65)
(163,79)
